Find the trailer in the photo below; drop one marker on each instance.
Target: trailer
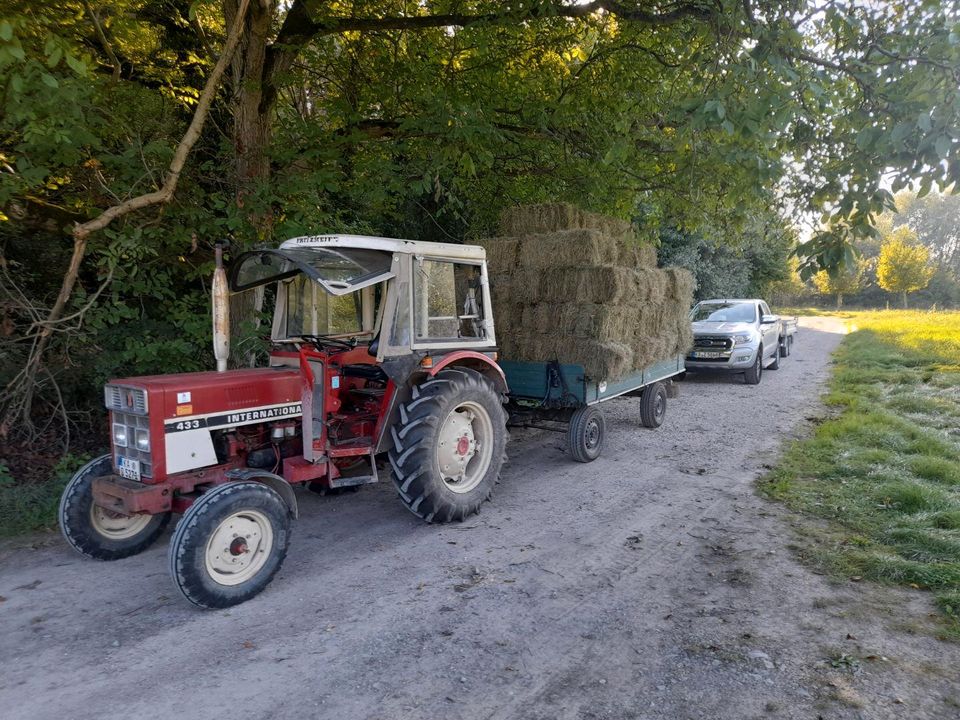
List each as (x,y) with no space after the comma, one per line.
(559,397)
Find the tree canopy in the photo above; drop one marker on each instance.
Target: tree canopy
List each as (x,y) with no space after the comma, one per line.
(707,118)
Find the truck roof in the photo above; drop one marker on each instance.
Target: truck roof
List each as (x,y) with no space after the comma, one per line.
(395,245)
(730,300)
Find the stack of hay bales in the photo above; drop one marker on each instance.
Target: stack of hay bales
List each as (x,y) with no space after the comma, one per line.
(580,288)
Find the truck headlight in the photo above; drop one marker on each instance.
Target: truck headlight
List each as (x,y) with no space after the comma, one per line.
(742,339)
(119,435)
(143,440)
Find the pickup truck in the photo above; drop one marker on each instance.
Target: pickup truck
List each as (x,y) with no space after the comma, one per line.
(739,336)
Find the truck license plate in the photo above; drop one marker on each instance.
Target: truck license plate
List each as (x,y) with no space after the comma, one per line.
(129,468)
(701,354)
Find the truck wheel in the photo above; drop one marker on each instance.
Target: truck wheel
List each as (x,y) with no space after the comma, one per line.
(449,445)
(586,433)
(98,533)
(653,405)
(775,365)
(230,544)
(753,375)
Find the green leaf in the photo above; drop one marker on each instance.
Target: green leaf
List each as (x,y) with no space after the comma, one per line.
(728,126)
(77,65)
(54,58)
(942,145)
(49,80)
(6,30)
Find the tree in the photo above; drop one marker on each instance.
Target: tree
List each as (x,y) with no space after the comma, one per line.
(904,265)
(842,281)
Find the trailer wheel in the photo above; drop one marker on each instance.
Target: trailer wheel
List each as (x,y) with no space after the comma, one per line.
(99,533)
(653,405)
(788,346)
(449,445)
(586,433)
(230,544)
(755,371)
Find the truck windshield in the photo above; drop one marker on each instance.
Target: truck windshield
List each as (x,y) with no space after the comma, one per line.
(339,270)
(725,312)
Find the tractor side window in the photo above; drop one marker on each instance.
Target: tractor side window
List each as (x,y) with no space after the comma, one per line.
(447,301)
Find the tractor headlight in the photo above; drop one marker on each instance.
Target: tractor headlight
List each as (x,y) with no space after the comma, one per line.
(119,435)
(143,440)
(743,339)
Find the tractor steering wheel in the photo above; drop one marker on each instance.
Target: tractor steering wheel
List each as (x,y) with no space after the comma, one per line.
(322,341)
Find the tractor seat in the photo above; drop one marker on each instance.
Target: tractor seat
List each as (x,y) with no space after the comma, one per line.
(367,372)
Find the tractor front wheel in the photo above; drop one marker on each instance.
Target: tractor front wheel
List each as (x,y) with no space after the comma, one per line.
(230,544)
(449,445)
(99,533)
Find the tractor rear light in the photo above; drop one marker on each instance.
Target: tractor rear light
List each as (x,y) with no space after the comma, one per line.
(427,362)
(143,440)
(119,435)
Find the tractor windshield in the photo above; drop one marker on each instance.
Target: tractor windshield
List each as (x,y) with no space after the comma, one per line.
(339,270)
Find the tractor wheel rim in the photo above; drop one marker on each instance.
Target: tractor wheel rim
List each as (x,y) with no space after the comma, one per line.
(117,526)
(239,548)
(591,434)
(465,447)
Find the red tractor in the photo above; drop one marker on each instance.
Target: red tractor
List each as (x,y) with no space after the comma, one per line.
(378,346)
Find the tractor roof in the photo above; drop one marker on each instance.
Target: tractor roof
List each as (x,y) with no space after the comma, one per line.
(367,242)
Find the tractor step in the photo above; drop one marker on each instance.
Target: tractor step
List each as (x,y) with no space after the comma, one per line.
(359,474)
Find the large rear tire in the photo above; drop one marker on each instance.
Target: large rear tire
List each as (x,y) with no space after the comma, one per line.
(230,544)
(586,433)
(653,405)
(449,445)
(99,533)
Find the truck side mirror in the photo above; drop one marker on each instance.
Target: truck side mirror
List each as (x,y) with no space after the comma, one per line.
(768,319)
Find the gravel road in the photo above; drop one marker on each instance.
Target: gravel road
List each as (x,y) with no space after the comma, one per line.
(652,583)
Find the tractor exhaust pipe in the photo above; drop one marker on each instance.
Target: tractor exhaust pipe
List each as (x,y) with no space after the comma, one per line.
(221,312)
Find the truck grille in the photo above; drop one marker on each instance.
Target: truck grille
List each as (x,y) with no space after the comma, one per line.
(712,342)
(133,423)
(125,399)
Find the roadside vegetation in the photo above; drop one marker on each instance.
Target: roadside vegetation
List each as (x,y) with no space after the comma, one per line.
(884,467)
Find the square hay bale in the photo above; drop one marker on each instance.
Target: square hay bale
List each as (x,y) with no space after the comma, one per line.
(587,320)
(590,284)
(634,254)
(568,248)
(680,285)
(551,217)
(600,360)
(503,253)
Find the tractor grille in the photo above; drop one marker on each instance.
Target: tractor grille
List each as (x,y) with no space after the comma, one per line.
(712,342)
(125,399)
(133,423)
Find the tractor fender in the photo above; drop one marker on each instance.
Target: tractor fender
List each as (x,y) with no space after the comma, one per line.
(283,488)
(481,362)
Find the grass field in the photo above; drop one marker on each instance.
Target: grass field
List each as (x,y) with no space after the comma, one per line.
(884,467)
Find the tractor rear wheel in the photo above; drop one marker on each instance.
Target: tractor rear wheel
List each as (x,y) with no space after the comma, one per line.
(99,533)
(653,405)
(449,445)
(230,544)
(585,434)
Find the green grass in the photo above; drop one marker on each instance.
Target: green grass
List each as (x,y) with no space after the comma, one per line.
(25,507)
(884,467)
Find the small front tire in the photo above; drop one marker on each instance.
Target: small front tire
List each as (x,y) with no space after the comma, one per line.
(99,533)
(586,433)
(230,544)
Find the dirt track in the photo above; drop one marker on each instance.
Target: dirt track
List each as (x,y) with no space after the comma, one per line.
(652,583)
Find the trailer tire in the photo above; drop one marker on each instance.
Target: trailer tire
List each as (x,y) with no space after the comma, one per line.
(653,405)
(586,433)
(208,551)
(437,480)
(98,533)
(755,372)
(788,346)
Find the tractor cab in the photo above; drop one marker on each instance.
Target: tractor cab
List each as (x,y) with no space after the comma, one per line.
(359,316)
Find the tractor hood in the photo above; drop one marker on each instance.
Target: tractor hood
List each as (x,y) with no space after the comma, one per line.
(174,397)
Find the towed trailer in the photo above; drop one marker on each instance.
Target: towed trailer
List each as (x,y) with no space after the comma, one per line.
(562,398)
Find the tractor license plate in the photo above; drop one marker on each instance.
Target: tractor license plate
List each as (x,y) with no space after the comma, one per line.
(129,468)
(701,354)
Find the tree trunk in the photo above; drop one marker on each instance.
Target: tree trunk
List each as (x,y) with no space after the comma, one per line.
(252,120)
(839,300)
(904,300)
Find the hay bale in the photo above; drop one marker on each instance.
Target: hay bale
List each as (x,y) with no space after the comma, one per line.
(606,323)
(600,360)
(679,284)
(552,217)
(634,254)
(591,284)
(503,253)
